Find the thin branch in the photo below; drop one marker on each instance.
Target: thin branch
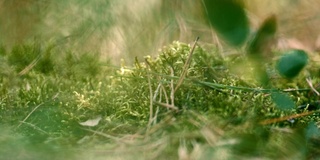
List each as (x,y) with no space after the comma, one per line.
(156,92)
(105,135)
(165,94)
(24,120)
(34,127)
(275,120)
(169,106)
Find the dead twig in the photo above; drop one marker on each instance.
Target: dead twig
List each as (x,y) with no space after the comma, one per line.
(275,120)
(105,135)
(24,120)
(154,119)
(169,106)
(30,66)
(186,65)
(34,127)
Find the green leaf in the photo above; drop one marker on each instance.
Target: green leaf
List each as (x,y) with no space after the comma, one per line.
(282,100)
(312,131)
(263,37)
(228,18)
(290,64)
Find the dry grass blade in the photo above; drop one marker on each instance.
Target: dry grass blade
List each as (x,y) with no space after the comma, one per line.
(154,120)
(106,135)
(172,87)
(30,66)
(186,65)
(151,99)
(311,86)
(24,120)
(34,127)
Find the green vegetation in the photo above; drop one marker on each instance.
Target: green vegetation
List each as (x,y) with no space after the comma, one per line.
(213,113)
(62,98)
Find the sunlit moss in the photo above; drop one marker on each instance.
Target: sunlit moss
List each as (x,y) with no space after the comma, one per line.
(213,109)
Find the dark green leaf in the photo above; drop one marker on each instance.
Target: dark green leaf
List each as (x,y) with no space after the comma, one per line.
(282,100)
(290,64)
(312,131)
(229,19)
(263,37)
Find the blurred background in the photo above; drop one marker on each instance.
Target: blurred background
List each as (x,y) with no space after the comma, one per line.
(124,29)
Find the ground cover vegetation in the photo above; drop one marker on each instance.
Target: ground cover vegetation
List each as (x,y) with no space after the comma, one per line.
(189,101)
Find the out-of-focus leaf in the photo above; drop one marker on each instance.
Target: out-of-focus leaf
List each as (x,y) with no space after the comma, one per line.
(261,74)
(282,100)
(248,144)
(263,38)
(290,64)
(229,20)
(312,131)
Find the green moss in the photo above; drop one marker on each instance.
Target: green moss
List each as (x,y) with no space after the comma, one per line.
(217,110)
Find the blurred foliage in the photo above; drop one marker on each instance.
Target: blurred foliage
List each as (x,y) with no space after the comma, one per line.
(229,19)
(53,77)
(22,56)
(24,149)
(126,29)
(47,107)
(292,62)
(259,46)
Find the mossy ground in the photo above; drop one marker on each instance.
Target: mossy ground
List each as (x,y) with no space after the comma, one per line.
(218,112)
